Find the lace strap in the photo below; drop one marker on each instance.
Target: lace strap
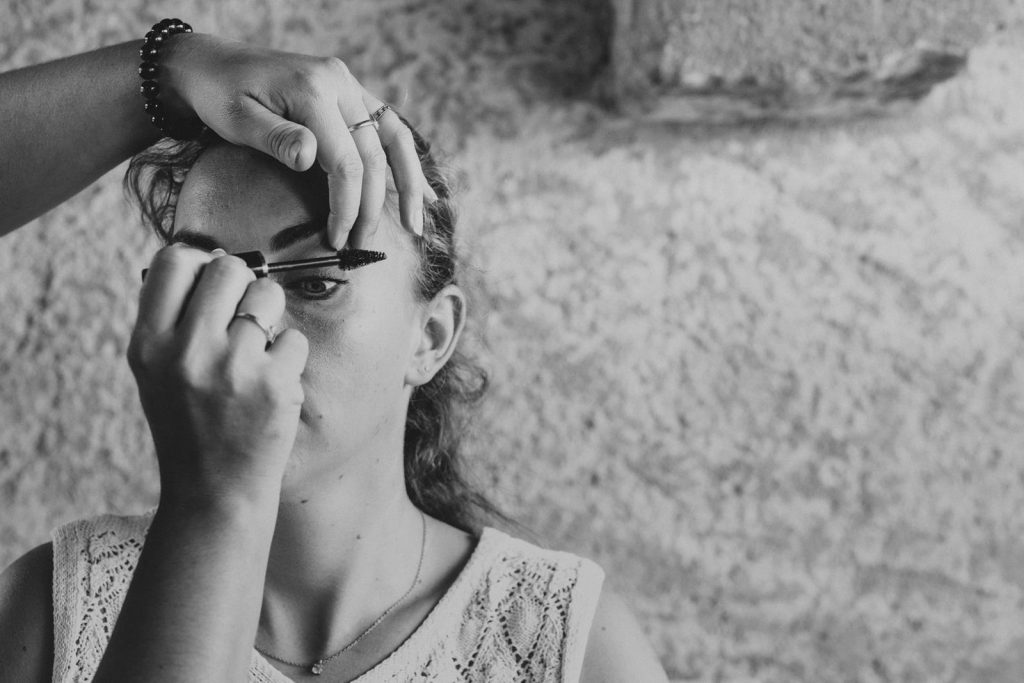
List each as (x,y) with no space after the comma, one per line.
(93,563)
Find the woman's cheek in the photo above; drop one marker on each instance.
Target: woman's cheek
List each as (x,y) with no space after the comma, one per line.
(317,324)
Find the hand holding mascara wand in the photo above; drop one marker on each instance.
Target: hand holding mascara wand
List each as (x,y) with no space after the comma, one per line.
(345,259)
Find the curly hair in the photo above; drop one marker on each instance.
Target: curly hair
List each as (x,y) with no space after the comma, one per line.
(438,412)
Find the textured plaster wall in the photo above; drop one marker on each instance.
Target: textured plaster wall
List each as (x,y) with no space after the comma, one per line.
(746,59)
(771,378)
(673,41)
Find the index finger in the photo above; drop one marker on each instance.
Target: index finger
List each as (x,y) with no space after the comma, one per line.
(406,168)
(172,276)
(339,158)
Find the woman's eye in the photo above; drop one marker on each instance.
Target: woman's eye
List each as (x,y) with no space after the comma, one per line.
(315,287)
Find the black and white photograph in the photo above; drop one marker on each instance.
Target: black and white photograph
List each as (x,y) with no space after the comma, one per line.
(533,341)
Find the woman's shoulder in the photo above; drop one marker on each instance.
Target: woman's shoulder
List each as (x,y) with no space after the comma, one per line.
(617,649)
(529,572)
(94,557)
(26,617)
(106,528)
(600,637)
(93,562)
(105,544)
(506,550)
(526,593)
(95,554)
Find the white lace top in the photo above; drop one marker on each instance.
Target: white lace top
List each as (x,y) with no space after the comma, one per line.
(516,612)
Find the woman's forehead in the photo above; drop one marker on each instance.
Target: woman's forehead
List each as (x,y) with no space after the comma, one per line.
(231,188)
(242,199)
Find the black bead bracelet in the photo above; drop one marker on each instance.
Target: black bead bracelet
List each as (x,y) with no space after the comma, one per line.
(149,71)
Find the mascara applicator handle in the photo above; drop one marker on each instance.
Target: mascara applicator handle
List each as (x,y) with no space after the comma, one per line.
(255,260)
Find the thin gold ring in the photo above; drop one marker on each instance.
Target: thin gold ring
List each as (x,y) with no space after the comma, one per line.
(363,124)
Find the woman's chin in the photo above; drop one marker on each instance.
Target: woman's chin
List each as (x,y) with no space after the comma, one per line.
(305,475)
(314,462)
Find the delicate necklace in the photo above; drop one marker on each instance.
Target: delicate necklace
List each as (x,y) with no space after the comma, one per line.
(317,667)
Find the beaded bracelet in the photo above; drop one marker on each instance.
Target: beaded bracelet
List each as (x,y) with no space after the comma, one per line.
(149,70)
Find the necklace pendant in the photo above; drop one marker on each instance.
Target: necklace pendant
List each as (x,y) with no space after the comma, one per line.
(317,668)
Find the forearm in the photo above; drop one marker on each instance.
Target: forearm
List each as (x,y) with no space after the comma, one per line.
(66,123)
(193,606)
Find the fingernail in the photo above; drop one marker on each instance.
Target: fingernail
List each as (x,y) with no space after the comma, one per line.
(336,241)
(429,194)
(417,223)
(218,252)
(295,152)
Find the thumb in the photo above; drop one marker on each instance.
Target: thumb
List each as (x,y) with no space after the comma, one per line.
(292,144)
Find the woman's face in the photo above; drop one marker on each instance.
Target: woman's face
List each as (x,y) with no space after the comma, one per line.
(363,325)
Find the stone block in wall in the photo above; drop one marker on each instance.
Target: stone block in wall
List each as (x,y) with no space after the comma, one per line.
(727,61)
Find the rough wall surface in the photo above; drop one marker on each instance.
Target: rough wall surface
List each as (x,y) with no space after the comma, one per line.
(736,60)
(770,378)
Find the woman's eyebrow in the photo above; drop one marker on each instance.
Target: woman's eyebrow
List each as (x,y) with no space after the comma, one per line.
(279,242)
(297,233)
(194,238)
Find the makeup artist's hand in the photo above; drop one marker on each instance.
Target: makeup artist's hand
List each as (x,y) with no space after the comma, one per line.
(299,110)
(223,407)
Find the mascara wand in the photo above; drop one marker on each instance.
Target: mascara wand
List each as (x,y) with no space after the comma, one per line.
(345,259)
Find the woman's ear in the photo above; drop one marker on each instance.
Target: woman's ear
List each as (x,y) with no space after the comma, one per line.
(437,335)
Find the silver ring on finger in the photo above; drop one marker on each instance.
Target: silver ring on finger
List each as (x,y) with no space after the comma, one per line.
(364,124)
(269,331)
(389,122)
(379,112)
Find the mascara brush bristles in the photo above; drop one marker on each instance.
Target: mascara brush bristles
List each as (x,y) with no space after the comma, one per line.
(345,259)
(357,258)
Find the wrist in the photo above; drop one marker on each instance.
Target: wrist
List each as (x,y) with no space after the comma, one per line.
(223,506)
(165,103)
(173,53)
